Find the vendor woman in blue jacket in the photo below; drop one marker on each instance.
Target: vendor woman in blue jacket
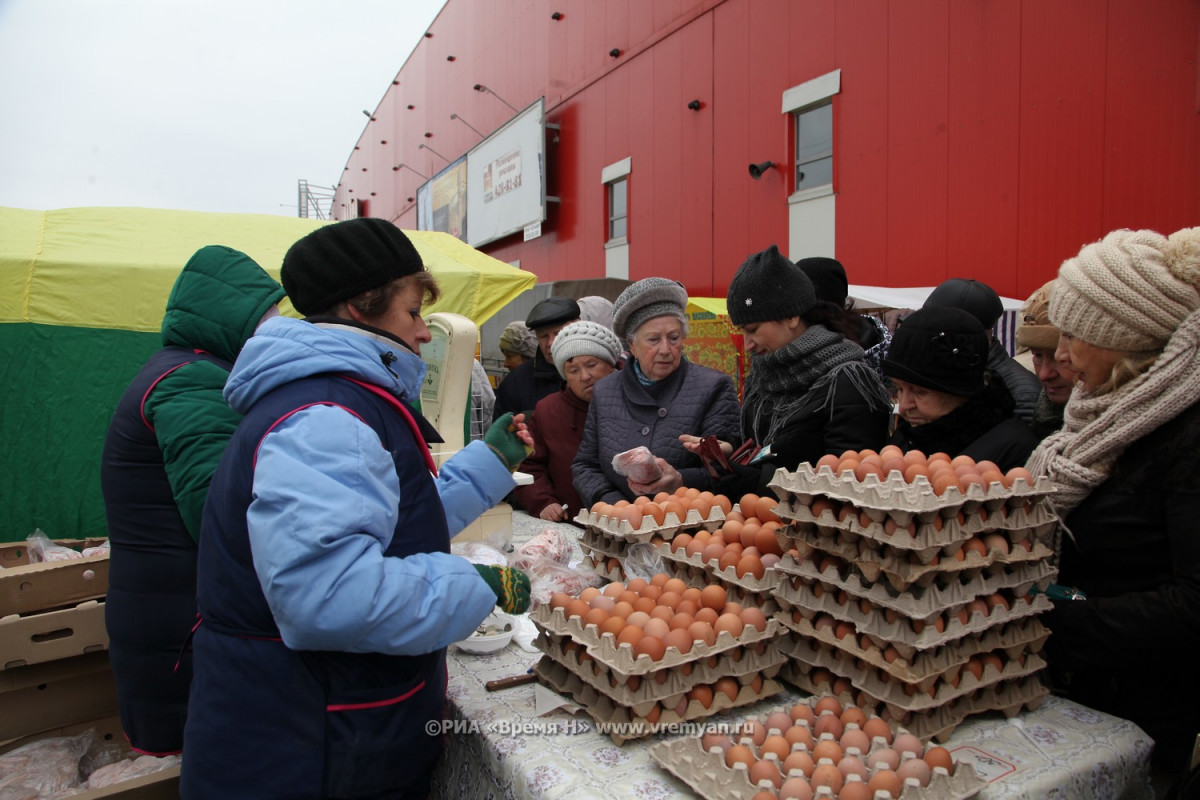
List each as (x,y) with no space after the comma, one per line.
(325,586)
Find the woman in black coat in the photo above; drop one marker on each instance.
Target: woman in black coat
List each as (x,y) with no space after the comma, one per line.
(809,391)
(945,397)
(1124,471)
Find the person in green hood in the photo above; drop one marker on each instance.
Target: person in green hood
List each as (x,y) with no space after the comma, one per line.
(165,440)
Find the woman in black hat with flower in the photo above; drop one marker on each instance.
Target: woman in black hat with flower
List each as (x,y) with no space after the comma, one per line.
(809,390)
(946,398)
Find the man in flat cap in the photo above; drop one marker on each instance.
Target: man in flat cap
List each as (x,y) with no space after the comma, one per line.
(522,388)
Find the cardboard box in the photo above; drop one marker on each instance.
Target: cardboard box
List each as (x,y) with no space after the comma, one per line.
(493,525)
(51,635)
(29,588)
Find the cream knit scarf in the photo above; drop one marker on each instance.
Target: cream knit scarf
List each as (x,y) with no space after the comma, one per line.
(1098,428)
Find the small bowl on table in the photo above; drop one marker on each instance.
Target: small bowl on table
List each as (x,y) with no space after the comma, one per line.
(492,635)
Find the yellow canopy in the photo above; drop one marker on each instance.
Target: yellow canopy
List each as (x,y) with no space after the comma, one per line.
(114,267)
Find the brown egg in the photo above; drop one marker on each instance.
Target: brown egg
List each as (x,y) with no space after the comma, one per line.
(729,623)
(764,794)
(630,635)
(886,756)
(613,625)
(914,768)
(856,738)
(732,607)
(687,607)
(752,729)
(670,599)
(939,757)
(907,743)
(651,646)
(739,754)
(559,600)
(765,771)
(680,639)
(718,740)
(707,615)
(748,505)
(638,618)
(714,597)
(675,585)
(800,760)
(577,608)
(681,621)
(703,632)
(766,542)
(796,789)
(595,616)
(853,715)
(800,734)
(779,721)
(754,616)
(877,727)
(827,748)
(887,781)
(680,542)
(827,775)
(702,694)
(1015,474)
(661,612)
(653,592)
(751,566)
(656,627)
(828,723)
(855,790)
(727,686)
(656,512)
(622,610)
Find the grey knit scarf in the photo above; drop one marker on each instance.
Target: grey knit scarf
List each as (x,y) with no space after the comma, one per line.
(783,381)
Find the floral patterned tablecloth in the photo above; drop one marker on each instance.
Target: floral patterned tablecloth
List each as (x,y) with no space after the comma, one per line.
(497,747)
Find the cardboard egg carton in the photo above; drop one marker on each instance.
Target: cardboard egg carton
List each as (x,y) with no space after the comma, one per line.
(914,530)
(934,724)
(623,723)
(893,495)
(929,693)
(727,576)
(1021,636)
(708,775)
(668,685)
(597,565)
(896,551)
(621,658)
(621,529)
(949,590)
(799,606)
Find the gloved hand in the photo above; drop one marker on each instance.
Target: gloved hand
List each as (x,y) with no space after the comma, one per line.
(510,585)
(504,441)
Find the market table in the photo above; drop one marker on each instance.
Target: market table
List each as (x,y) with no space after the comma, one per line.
(500,748)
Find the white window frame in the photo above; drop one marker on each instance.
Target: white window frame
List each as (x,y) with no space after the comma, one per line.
(616,250)
(812,211)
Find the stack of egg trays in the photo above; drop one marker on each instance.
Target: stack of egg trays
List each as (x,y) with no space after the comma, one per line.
(601,682)
(882,578)
(707,773)
(608,537)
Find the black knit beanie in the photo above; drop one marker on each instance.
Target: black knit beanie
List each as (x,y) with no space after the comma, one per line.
(766,288)
(828,278)
(944,349)
(345,259)
(976,298)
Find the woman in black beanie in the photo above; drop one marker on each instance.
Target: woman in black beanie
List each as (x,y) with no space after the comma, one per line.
(945,396)
(809,391)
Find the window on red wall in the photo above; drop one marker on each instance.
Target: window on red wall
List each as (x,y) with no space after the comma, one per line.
(618,208)
(814,146)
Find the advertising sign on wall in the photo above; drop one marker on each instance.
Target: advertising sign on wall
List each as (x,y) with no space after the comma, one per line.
(442,201)
(506,179)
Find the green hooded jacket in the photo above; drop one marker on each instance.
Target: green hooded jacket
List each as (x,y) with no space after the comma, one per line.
(217,302)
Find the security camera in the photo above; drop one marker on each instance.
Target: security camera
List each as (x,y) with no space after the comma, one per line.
(757,170)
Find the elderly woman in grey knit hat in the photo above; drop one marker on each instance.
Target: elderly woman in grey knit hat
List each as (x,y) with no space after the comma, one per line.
(656,398)
(584,352)
(1124,470)
(809,390)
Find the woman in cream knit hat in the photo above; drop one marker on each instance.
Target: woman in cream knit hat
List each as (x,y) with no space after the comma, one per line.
(1127,487)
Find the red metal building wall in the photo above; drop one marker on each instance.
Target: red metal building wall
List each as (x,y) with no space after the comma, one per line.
(972,137)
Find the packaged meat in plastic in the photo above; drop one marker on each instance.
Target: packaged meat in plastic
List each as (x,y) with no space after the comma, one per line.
(638,464)
(546,577)
(550,543)
(41,548)
(46,767)
(129,769)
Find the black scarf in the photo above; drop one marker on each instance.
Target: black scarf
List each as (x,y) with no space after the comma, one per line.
(952,433)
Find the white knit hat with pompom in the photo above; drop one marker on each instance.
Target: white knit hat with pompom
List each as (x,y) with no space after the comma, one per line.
(1130,290)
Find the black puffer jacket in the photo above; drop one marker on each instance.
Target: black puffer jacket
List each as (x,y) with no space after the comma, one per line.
(1129,648)
(983,428)
(624,414)
(1022,384)
(522,388)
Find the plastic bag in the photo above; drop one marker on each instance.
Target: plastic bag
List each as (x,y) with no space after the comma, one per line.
(479,553)
(42,549)
(638,465)
(98,550)
(547,577)
(126,770)
(642,560)
(45,767)
(550,543)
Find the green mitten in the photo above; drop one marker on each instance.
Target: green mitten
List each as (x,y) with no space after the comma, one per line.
(510,585)
(508,447)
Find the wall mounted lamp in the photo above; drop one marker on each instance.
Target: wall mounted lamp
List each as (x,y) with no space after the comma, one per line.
(428,34)
(423,146)
(556,16)
(757,170)
(449,58)
(367,114)
(694,105)
(615,52)
(479,87)
(464,122)
(401,166)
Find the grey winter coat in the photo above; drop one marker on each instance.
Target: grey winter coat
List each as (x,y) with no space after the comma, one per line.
(624,414)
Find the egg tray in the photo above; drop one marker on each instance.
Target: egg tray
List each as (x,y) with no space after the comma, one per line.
(727,576)
(621,659)
(901,574)
(1022,636)
(806,538)
(707,774)
(620,722)
(621,529)
(700,577)
(740,663)
(919,602)
(604,544)
(936,724)
(603,571)
(894,496)
(933,529)
(928,694)
(798,608)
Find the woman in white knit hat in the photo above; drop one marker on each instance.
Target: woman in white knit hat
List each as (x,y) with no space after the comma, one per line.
(1127,487)
(584,352)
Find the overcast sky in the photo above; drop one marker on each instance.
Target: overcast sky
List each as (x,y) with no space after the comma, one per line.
(204,105)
